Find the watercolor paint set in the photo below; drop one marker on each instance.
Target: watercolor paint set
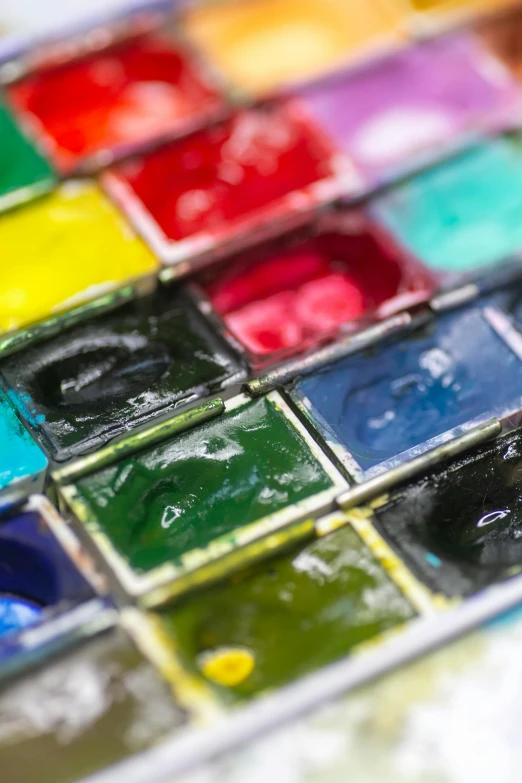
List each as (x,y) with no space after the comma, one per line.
(260,371)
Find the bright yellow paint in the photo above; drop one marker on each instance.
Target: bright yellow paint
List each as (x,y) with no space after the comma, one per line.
(63,250)
(229,666)
(261,44)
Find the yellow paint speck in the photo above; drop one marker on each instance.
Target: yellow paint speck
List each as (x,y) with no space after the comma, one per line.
(63,250)
(229,666)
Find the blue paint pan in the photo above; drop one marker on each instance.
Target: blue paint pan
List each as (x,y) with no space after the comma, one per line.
(44,598)
(385,406)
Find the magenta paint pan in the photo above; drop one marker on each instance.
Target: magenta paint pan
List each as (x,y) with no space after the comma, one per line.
(260,173)
(407,110)
(334,277)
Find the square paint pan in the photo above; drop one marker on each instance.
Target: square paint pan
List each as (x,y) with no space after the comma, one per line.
(63,251)
(166,503)
(76,716)
(103,377)
(23,465)
(458,529)
(46,602)
(402,112)
(282,619)
(24,172)
(264,46)
(461,217)
(260,173)
(384,407)
(288,296)
(90,111)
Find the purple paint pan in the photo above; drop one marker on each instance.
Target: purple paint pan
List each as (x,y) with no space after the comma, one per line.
(399,113)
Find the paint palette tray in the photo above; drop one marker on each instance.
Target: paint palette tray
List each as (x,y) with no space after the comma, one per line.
(260,391)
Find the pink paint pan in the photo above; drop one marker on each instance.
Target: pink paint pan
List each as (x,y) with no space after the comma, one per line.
(337,276)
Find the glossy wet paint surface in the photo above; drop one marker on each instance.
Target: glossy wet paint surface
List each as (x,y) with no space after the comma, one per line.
(62,251)
(21,165)
(202,522)
(292,295)
(403,109)
(37,578)
(16,614)
(461,528)
(462,216)
(137,90)
(20,457)
(398,397)
(121,369)
(216,178)
(205,483)
(84,712)
(292,615)
(266,43)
